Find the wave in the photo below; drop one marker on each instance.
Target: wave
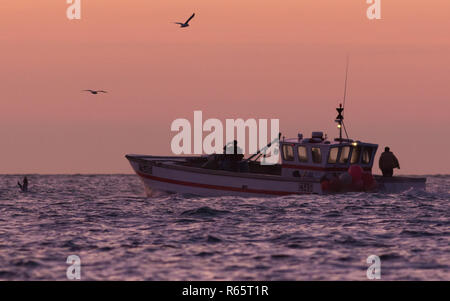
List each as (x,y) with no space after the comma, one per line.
(204,212)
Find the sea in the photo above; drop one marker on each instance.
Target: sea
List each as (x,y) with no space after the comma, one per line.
(118,233)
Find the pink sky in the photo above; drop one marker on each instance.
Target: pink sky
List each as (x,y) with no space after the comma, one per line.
(239,59)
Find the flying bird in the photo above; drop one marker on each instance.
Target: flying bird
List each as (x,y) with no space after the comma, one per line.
(95,91)
(185,24)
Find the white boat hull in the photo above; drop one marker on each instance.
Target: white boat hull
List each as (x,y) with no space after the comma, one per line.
(162,174)
(166,174)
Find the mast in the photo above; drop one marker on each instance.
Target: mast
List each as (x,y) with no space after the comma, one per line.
(340,110)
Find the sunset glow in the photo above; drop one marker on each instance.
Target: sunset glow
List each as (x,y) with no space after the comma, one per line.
(238,59)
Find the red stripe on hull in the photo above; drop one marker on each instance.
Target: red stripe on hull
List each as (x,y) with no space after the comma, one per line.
(319,168)
(216,187)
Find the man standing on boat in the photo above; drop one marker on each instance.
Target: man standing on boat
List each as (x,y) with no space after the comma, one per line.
(388,162)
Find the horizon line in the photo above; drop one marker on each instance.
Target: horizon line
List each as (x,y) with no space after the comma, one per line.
(127,174)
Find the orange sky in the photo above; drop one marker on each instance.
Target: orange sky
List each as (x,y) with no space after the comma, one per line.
(240,58)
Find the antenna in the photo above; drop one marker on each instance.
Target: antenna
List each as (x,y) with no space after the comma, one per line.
(346,77)
(340,118)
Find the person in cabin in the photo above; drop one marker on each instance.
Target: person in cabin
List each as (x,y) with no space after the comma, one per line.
(388,162)
(24,185)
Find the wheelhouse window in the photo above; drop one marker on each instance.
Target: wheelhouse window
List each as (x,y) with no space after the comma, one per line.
(345,153)
(355,154)
(332,157)
(288,152)
(366,155)
(302,154)
(316,155)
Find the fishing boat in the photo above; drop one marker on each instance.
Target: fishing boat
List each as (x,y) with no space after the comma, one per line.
(312,165)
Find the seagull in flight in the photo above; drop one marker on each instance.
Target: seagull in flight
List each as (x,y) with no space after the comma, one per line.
(95,91)
(185,24)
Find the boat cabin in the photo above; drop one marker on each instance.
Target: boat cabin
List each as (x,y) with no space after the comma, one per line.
(317,156)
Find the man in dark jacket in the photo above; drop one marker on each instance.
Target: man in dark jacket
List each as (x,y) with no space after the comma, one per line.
(388,162)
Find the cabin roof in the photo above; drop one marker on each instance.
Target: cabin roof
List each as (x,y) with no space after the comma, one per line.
(336,142)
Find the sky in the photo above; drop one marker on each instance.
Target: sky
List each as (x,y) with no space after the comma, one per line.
(270,59)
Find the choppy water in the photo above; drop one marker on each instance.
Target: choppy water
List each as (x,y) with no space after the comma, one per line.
(119,234)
